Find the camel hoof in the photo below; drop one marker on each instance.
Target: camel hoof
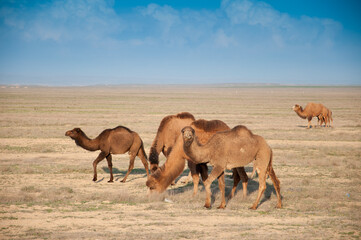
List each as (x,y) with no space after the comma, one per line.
(279,205)
(207,205)
(123,181)
(110,181)
(222,207)
(94,179)
(253,208)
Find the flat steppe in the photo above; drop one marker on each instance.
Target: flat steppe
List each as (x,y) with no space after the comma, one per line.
(46,183)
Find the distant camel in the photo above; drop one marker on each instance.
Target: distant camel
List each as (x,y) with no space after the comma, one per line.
(168,131)
(118,140)
(174,166)
(326,117)
(232,149)
(312,110)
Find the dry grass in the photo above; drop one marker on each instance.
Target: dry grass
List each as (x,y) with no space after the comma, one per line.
(47,191)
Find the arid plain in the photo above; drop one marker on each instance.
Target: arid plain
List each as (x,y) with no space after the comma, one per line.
(46,183)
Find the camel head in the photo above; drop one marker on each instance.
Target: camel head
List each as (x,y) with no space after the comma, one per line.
(296,107)
(153,185)
(188,134)
(74,133)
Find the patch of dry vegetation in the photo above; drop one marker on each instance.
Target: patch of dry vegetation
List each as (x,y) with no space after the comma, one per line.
(47,190)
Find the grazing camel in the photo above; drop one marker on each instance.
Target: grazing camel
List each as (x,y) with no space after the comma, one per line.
(174,166)
(118,140)
(312,110)
(232,149)
(168,131)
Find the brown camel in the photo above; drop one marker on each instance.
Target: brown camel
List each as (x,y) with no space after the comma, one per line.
(174,166)
(118,140)
(232,149)
(168,132)
(312,110)
(326,117)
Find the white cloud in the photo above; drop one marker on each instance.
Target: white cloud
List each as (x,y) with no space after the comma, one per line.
(223,40)
(63,21)
(283,29)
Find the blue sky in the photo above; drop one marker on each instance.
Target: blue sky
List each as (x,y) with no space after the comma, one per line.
(81,42)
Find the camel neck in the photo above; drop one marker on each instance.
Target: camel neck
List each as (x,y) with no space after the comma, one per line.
(197,152)
(301,113)
(87,143)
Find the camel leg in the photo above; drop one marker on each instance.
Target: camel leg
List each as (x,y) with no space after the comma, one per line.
(203,170)
(217,170)
(130,168)
(195,176)
(262,187)
(309,122)
(110,166)
(222,188)
(276,184)
(100,157)
(236,180)
(142,157)
(243,176)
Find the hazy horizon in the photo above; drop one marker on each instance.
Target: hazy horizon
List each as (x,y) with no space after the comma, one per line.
(82,43)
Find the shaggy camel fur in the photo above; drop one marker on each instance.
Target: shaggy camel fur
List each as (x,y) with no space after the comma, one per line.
(118,140)
(312,110)
(168,132)
(232,149)
(174,166)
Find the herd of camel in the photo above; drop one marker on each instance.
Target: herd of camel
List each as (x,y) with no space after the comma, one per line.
(200,142)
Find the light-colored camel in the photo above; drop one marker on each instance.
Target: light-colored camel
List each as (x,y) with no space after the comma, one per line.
(232,149)
(174,166)
(118,140)
(168,131)
(311,110)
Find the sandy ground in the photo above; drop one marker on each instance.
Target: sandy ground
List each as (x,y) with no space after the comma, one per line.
(46,180)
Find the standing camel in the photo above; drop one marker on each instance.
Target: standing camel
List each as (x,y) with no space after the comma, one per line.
(174,166)
(312,110)
(118,140)
(232,149)
(168,131)
(326,117)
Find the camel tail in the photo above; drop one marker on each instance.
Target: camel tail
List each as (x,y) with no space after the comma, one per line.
(275,181)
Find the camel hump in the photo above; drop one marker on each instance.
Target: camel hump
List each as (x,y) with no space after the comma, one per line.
(242,131)
(210,126)
(183,115)
(167,119)
(122,127)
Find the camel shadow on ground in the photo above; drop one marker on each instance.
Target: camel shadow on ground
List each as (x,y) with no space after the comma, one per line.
(119,174)
(253,185)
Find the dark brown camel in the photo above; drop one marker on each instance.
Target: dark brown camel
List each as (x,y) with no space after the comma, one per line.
(174,166)
(118,140)
(232,149)
(168,131)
